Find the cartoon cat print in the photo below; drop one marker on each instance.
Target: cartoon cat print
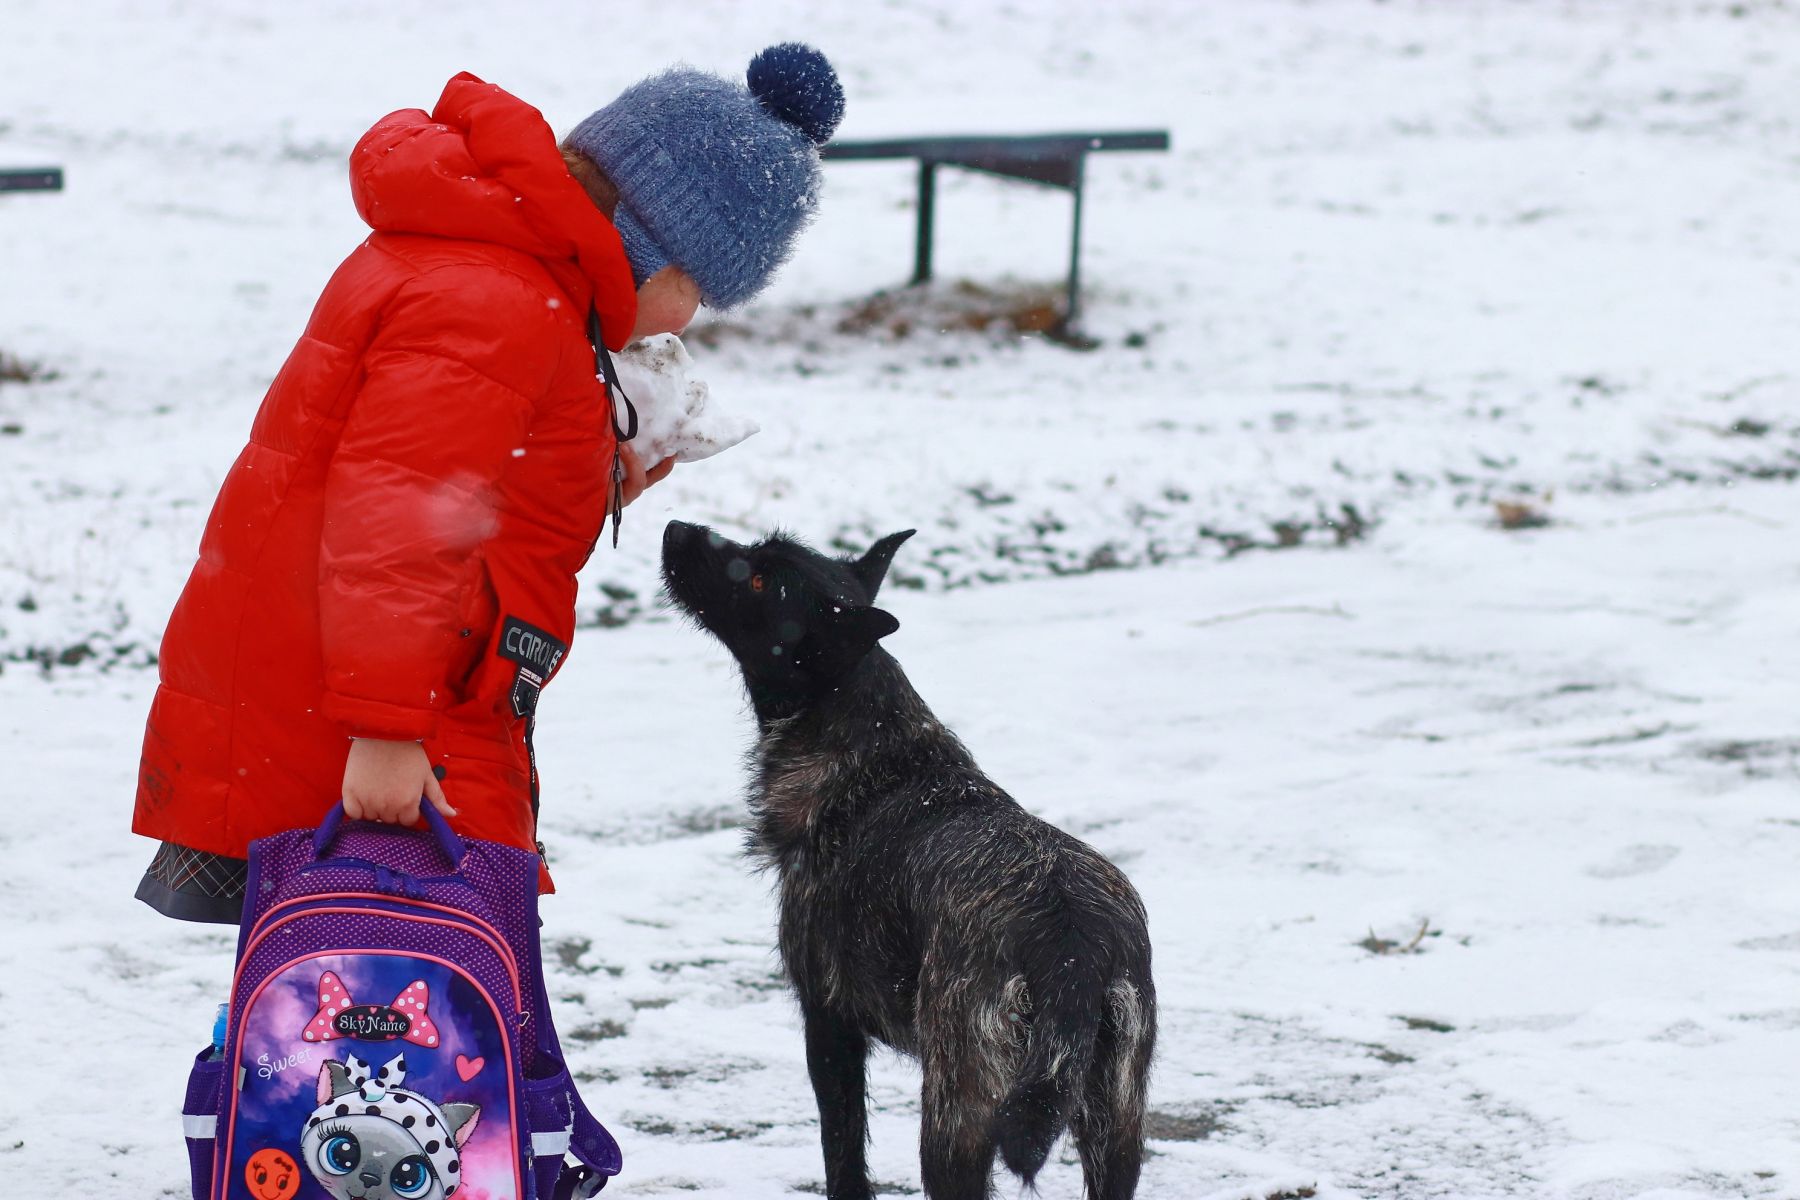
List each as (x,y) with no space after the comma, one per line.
(372,1139)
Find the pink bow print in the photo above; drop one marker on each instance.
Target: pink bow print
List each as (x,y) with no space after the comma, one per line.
(370,1022)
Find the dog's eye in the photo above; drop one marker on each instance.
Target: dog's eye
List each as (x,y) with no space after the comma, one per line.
(757,583)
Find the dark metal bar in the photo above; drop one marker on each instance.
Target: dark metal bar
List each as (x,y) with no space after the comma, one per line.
(31,179)
(1062,171)
(1030,146)
(927,207)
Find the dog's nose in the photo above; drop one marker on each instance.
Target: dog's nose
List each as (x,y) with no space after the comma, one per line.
(678,533)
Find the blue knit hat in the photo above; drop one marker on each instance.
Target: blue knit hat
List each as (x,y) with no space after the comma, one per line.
(715,176)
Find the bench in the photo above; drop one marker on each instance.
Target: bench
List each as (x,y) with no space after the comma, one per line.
(1055,159)
(31,179)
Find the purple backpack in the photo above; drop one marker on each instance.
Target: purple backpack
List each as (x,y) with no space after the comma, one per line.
(389,1034)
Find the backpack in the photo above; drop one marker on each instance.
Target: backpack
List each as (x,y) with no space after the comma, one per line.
(389,1033)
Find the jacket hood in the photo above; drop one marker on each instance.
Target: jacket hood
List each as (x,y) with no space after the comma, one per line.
(484,166)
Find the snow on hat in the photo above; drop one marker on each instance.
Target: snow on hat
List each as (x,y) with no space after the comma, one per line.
(714,176)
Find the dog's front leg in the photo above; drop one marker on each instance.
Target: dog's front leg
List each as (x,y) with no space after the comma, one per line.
(836,1052)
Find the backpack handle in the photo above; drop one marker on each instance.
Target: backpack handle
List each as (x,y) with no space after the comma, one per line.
(441,832)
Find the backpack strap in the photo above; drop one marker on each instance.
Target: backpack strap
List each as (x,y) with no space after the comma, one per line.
(562,1125)
(560,1121)
(578,1183)
(441,833)
(592,1146)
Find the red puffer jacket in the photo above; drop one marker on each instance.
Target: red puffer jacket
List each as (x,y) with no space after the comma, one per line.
(394,553)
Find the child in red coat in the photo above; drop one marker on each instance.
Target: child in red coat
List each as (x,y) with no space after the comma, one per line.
(387,579)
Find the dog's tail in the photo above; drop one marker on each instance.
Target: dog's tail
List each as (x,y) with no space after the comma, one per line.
(1090,1039)
(1064,1028)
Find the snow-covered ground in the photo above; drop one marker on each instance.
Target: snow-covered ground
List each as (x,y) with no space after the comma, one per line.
(1405,260)
(1572,752)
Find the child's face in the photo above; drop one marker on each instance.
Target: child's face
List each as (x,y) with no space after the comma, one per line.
(666,302)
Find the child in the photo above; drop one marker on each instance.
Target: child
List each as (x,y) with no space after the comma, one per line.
(387,578)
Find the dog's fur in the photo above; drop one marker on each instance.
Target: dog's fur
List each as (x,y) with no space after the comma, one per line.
(920,905)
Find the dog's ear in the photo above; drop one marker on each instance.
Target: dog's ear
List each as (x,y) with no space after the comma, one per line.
(846,639)
(872,567)
(866,625)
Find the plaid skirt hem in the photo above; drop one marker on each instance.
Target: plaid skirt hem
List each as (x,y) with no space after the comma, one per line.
(195,885)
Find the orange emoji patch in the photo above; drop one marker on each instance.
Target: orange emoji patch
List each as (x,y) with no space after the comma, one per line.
(272,1175)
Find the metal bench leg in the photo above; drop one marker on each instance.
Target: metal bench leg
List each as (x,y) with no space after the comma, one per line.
(1073,310)
(927,200)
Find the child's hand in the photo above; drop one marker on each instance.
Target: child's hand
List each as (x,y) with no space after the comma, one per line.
(384,780)
(637,479)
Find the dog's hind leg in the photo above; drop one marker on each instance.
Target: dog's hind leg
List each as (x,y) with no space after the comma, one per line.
(966,1061)
(956,1147)
(836,1054)
(1108,1124)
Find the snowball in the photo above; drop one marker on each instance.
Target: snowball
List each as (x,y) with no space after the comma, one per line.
(673,416)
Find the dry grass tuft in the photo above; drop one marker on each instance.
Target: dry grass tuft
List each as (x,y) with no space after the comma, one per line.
(1522,514)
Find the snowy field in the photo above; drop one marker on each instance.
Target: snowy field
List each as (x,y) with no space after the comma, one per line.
(1469,852)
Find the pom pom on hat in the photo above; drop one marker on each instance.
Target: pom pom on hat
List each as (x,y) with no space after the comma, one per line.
(796,83)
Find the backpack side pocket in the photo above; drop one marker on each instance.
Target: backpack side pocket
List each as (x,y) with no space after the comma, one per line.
(561,1125)
(552,1123)
(200,1118)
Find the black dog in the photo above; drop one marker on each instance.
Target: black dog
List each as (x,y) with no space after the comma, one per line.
(920,905)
